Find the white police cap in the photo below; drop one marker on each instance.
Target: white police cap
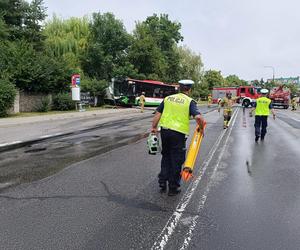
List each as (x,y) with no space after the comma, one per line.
(264,91)
(186,82)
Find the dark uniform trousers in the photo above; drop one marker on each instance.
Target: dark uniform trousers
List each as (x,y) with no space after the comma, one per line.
(260,124)
(173,156)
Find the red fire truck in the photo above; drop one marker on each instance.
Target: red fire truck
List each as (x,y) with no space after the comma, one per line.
(246,94)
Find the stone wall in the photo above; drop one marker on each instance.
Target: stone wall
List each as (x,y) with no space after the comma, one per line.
(28,102)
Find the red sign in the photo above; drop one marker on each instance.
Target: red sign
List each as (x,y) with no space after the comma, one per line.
(75,80)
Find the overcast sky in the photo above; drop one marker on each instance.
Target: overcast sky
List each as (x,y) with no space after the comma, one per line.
(235,36)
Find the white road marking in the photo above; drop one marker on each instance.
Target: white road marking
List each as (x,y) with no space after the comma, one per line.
(189,235)
(172,223)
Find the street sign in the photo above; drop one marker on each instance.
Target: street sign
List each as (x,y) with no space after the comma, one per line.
(75,80)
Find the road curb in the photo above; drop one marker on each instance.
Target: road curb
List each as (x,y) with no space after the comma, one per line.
(19,144)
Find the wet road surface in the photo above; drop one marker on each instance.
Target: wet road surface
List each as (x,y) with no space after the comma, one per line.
(243,196)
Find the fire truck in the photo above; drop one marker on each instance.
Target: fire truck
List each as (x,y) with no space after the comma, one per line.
(280,97)
(246,95)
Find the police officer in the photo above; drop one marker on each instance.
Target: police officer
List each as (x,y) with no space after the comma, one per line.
(262,109)
(173,114)
(227,104)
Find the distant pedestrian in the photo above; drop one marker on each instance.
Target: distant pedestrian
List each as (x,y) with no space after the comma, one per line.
(294,103)
(142,101)
(209,100)
(262,108)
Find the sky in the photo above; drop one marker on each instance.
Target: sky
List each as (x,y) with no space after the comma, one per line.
(234,36)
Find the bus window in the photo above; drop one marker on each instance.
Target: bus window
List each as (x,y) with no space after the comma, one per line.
(242,90)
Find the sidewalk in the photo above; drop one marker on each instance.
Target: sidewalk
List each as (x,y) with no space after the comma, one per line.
(19,129)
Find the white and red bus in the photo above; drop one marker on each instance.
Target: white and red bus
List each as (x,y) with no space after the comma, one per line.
(127,91)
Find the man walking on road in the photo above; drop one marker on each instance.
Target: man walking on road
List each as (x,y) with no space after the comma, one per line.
(262,109)
(173,114)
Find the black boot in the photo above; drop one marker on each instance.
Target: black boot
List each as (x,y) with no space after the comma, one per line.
(256,138)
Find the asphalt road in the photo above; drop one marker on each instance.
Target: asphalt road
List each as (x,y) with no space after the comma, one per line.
(243,196)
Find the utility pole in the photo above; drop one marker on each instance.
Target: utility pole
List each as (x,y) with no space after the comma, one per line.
(273,72)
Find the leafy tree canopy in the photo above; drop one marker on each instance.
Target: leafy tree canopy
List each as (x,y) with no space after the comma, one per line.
(67,39)
(154,48)
(107,46)
(24,20)
(213,78)
(233,80)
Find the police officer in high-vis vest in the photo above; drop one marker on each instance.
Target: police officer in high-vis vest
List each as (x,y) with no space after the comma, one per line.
(173,115)
(262,110)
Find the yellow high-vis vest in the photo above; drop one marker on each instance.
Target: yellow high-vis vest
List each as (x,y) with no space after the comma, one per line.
(262,106)
(176,113)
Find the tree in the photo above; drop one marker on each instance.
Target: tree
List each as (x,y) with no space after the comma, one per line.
(293,88)
(95,87)
(3,30)
(67,39)
(107,46)
(31,70)
(213,78)
(233,80)
(7,96)
(35,15)
(13,12)
(154,48)
(24,20)
(147,57)
(191,66)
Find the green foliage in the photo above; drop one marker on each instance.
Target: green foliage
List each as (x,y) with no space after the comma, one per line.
(7,96)
(191,65)
(200,90)
(24,20)
(293,88)
(213,78)
(63,102)
(31,70)
(45,104)
(147,57)
(67,39)
(107,46)
(94,86)
(3,29)
(153,51)
(233,80)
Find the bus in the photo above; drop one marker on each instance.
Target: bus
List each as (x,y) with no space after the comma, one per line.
(126,92)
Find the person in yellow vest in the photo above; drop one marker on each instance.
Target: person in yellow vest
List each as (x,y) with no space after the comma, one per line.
(227,104)
(262,108)
(294,103)
(173,116)
(142,101)
(209,100)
